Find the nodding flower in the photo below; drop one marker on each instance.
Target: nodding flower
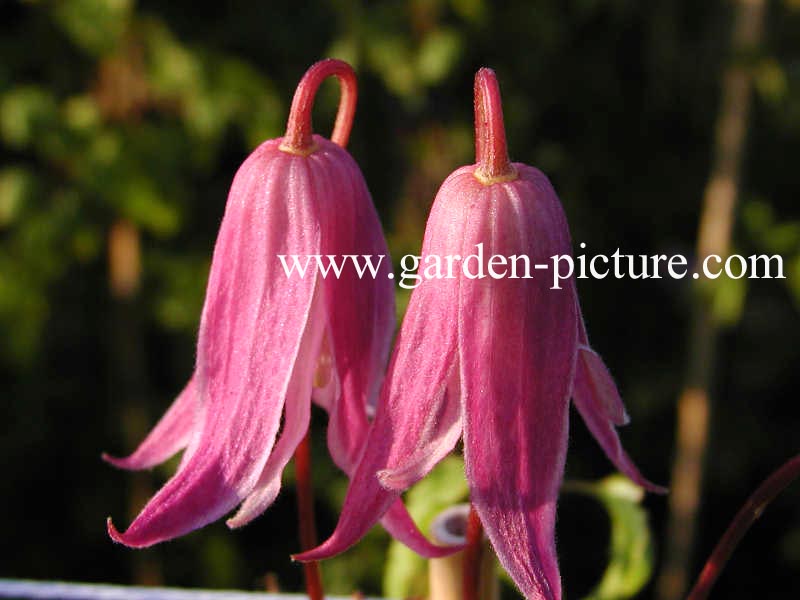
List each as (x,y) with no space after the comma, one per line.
(494,361)
(269,343)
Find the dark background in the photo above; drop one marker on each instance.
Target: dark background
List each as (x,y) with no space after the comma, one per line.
(122,124)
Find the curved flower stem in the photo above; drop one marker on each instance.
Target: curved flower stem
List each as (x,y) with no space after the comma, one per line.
(491,151)
(472,556)
(298,138)
(746,516)
(305,509)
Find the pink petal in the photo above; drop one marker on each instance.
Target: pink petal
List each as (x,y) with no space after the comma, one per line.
(594,393)
(418,411)
(296,419)
(360,310)
(361,316)
(361,325)
(170,435)
(443,427)
(396,520)
(250,337)
(364,319)
(517,340)
(594,373)
(401,527)
(197,433)
(605,388)
(364,505)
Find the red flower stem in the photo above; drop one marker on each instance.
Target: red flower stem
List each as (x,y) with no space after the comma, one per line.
(305,510)
(298,138)
(746,516)
(491,151)
(472,556)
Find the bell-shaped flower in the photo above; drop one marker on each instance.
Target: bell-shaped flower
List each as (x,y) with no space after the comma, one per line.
(270,341)
(493,359)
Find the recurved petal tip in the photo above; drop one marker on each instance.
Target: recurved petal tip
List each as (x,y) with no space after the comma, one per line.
(327,549)
(235,522)
(447,432)
(119,462)
(590,406)
(359,514)
(598,401)
(592,375)
(398,522)
(255,504)
(120,538)
(391,481)
(113,533)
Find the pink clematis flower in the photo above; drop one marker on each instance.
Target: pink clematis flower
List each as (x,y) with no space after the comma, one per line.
(493,360)
(269,342)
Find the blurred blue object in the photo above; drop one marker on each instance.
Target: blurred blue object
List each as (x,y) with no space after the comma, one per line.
(22,588)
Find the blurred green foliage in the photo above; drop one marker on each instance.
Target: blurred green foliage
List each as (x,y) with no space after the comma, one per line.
(630,562)
(115,111)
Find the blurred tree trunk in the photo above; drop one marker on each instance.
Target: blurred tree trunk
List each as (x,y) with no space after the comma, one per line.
(714,237)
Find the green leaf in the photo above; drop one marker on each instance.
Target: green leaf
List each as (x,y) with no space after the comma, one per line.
(630,563)
(391,57)
(25,112)
(172,68)
(771,81)
(438,55)
(473,11)
(17,185)
(139,198)
(81,113)
(96,26)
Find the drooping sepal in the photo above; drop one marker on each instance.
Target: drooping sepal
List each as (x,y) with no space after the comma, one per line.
(517,340)
(596,397)
(268,213)
(170,435)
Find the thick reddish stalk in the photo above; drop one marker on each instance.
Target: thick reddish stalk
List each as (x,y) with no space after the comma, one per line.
(491,151)
(746,516)
(298,138)
(472,556)
(305,509)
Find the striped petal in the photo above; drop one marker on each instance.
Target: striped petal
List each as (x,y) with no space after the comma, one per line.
(596,397)
(251,333)
(517,340)
(418,418)
(359,306)
(296,419)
